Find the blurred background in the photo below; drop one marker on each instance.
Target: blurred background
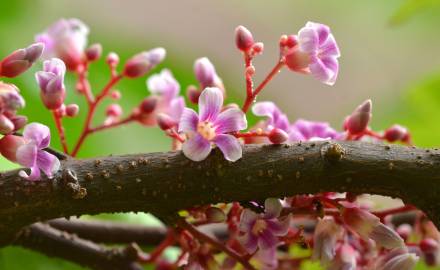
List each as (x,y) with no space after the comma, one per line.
(390,53)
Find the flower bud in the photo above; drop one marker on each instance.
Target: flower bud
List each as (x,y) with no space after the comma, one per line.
(358,121)
(257,48)
(6,125)
(148,105)
(20,60)
(94,52)
(277,136)
(430,249)
(19,121)
(396,133)
(404,231)
(10,98)
(51,82)
(116,95)
(113,110)
(72,110)
(215,215)
(165,122)
(112,59)
(142,63)
(193,94)
(9,145)
(204,71)
(243,38)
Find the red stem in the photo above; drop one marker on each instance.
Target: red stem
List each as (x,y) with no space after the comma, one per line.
(205,238)
(85,85)
(112,125)
(269,77)
(60,129)
(393,211)
(155,254)
(87,130)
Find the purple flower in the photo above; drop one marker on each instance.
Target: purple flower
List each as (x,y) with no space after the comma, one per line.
(304,130)
(316,53)
(51,82)
(65,39)
(262,230)
(211,126)
(31,154)
(275,118)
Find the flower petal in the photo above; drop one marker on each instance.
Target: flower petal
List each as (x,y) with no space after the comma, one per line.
(48,163)
(308,40)
(249,242)
(247,220)
(279,227)
(188,121)
(322,30)
(321,72)
(267,240)
(177,105)
(196,148)
(272,208)
(210,103)
(163,84)
(330,47)
(39,133)
(265,108)
(33,176)
(27,154)
(332,64)
(230,120)
(230,146)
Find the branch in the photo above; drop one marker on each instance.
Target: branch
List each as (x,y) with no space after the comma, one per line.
(52,242)
(163,183)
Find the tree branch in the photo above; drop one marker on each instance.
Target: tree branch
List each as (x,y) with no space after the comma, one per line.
(163,183)
(52,242)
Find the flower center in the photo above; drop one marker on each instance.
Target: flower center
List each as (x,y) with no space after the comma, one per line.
(259,226)
(207,130)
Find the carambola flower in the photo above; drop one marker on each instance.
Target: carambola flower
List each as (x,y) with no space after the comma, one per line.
(211,126)
(51,82)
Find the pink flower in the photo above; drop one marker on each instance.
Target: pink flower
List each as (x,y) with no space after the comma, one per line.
(32,155)
(206,74)
(65,39)
(211,126)
(51,82)
(357,122)
(10,98)
(316,53)
(262,230)
(326,234)
(304,130)
(20,60)
(275,117)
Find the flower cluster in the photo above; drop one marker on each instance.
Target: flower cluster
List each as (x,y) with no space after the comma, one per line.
(341,232)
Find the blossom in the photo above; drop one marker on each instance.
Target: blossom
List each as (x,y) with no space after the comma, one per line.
(368,226)
(206,74)
(20,60)
(65,39)
(10,102)
(326,234)
(31,153)
(357,122)
(143,62)
(275,118)
(316,52)
(211,126)
(262,230)
(304,130)
(51,82)
(165,99)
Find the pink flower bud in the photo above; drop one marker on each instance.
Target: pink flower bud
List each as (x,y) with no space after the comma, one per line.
(9,145)
(193,94)
(430,249)
(215,215)
(94,52)
(257,48)
(19,121)
(113,110)
(142,63)
(278,136)
(243,38)
(148,105)
(112,59)
(396,133)
(6,125)
(20,60)
(358,121)
(116,95)
(51,82)
(165,122)
(404,231)
(72,110)
(204,71)
(10,98)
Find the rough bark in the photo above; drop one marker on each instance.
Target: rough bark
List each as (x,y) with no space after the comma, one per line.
(163,183)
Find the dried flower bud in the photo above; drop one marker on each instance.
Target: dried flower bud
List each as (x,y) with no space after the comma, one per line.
(112,59)
(20,60)
(165,122)
(113,110)
(193,94)
(94,52)
(9,145)
(215,215)
(6,125)
(396,133)
(243,38)
(278,136)
(142,63)
(204,71)
(72,110)
(358,121)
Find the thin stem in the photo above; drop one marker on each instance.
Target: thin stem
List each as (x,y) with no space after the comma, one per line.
(60,129)
(205,238)
(91,113)
(393,211)
(250,98)
(157,252)
(112,125)
(84,83)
